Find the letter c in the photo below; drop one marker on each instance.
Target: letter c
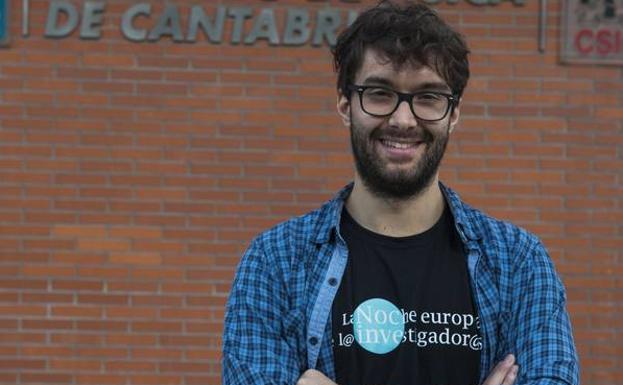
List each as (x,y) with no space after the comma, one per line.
(580,37)
(128,29)
(398,317)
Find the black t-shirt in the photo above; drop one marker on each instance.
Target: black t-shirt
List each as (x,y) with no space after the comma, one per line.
(404,314)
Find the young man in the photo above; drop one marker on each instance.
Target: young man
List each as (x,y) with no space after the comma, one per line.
(396,281)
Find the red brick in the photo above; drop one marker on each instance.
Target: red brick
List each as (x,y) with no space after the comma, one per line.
(160,379)
(156,326)
(48,271)
(200,274)
(75,365)
(153,220)
(113,87)
(101,325)
(23,284)
(161,193)
(82,99)
(47,324)
(100,379)
(46,378)
(130,339)
(138,258)
(22,337)
(157,353)
(159,300)
(121,366)
(139,272)
(102,299)
(81,205)
(130,312)
(77,339)
(77,311)
(198,380)
(9,270)
(78,258)
(22,230)
(106,192)
(109,353)
(205,354)
(186,287)
(98,60)
(184,367)
(23,310)
(76,285)
(47,298)
(132,207)
(105,272)
(80,231)
(103,244)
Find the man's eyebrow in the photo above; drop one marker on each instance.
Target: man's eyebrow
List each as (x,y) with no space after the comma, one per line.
(437,86)
(433,86)
(378,80)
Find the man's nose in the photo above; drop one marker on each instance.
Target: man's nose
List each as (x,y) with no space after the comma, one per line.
(403,116)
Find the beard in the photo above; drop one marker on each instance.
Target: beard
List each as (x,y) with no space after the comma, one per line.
(396,184)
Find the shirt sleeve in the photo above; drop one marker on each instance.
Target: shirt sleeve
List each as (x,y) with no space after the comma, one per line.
(541,330)
(255,348)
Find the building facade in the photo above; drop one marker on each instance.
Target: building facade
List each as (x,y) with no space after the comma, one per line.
(143,145)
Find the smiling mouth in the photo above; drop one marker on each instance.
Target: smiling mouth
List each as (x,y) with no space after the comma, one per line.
(400,144)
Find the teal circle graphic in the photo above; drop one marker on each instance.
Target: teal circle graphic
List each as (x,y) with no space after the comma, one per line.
(378,326)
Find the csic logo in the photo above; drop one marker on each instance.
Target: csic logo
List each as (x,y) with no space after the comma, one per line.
(593,31)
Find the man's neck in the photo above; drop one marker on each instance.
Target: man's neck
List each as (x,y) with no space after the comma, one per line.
(396,218)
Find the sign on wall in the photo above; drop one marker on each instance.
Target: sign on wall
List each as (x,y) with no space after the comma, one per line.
(4,22)
(592,31)
(301,26)
(237,24)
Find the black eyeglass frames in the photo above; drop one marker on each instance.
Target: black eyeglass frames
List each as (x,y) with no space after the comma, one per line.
(428,106)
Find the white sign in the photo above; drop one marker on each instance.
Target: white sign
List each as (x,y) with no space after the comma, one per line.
(592,31)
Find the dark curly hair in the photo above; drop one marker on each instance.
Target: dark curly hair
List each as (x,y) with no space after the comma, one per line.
(403,33)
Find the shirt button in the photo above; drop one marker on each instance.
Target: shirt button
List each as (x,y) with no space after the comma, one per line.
(332,281)
(313,340)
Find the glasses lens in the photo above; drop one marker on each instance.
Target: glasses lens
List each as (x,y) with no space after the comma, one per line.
(379,101)
(430,106)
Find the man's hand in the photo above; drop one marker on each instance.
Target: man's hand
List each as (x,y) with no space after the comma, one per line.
(314,377)
(504,373)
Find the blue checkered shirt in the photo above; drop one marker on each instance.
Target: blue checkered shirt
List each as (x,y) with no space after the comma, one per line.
(277,321)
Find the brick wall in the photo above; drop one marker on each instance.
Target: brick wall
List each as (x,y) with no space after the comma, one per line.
(133,175)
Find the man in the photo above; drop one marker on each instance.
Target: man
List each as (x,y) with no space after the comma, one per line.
(396,280)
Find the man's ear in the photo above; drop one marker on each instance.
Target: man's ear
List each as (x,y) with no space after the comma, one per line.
(454,116)
(343,108)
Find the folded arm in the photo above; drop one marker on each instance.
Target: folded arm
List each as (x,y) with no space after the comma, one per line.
(256,347)
(539,331)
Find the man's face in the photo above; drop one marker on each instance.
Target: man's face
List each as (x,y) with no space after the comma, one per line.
(396,156)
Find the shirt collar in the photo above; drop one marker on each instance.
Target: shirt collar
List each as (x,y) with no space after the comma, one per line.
(330,214)
(462,214)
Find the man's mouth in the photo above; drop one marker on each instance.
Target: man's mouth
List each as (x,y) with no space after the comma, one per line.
(400,144)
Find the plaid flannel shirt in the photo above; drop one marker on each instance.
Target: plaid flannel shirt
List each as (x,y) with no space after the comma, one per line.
(277,322)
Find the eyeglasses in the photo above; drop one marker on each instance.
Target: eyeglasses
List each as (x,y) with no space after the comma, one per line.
(428,106)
